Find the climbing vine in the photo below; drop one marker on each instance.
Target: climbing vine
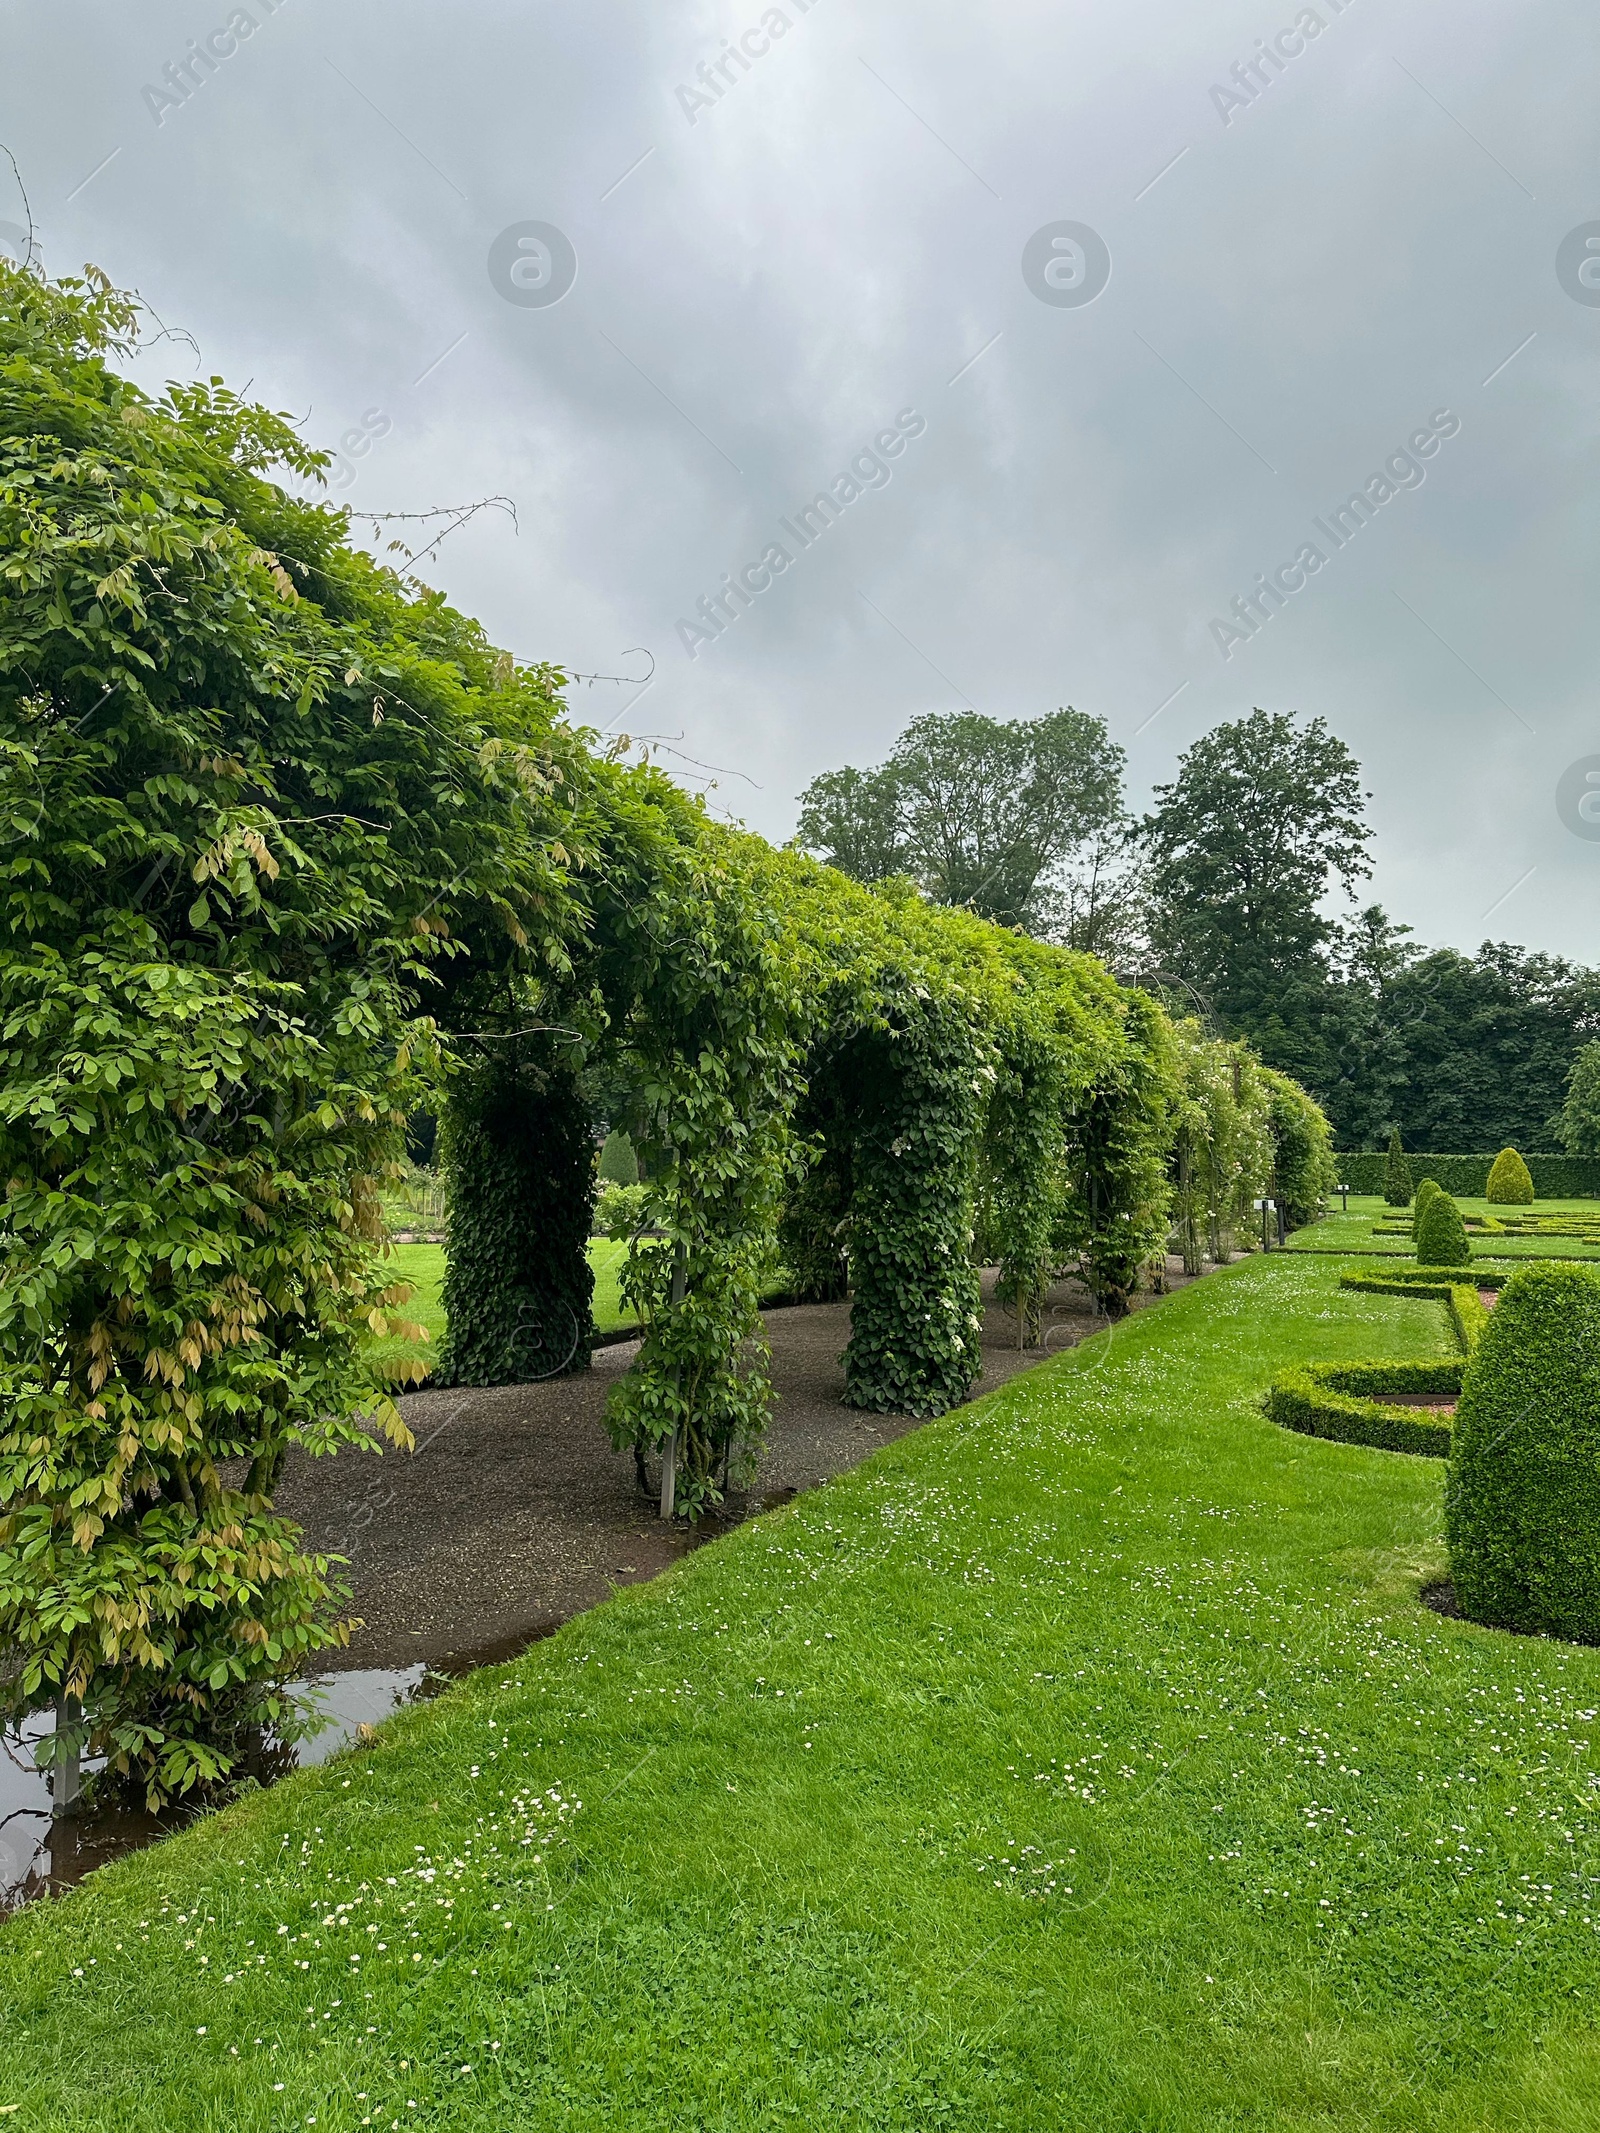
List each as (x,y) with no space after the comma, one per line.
(919,1079)
(518,1150)
(714,1042)
(1302,1138)
(814,1228)
(1115,1223)
(246,785)
(1024,1151)
(291,854)
(1222,1150)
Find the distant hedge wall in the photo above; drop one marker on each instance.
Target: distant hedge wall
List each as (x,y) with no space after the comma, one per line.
(1555,1177)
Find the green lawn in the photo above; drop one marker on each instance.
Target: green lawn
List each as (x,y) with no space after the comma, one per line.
(423,1266)
(1082,1761)
(1353,1232)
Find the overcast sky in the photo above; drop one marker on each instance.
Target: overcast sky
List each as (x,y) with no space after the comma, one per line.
(856,233)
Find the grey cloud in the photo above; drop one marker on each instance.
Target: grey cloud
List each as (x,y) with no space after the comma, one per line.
(839,235)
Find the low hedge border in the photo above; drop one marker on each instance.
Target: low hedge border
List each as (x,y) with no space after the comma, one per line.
(1335,1400)
(1455,1287)
(1586,1228)
(1332,1401)
(1555,1177)
(1431,1280)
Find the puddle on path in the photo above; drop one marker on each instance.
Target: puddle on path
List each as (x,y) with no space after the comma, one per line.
(42,1856)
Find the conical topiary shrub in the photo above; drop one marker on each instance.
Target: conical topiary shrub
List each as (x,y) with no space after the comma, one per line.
(1522,1507)
(1427,1188)
(618,1163)
(1396,1173)
(1510,1181)
(1441,1233)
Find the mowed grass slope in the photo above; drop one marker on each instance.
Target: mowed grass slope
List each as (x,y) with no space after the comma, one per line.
(1081,1761)
(423,1265)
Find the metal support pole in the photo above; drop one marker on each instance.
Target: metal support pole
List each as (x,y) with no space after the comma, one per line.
(669,1452)
(66,1781)
(669,1475)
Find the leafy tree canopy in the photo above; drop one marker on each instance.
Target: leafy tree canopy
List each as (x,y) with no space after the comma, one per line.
(983,814)
(1578,1125)
(1263,826)
(1263,820)
(1489,1043)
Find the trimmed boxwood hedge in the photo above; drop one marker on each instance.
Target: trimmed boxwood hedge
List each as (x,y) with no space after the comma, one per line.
(1336,1401)
(1522,1509)
(1455,1287)
(1441,1233)
(1427,1189)
(1342,1401)
(1398,1182)
(1429,1280)
(1555,1177)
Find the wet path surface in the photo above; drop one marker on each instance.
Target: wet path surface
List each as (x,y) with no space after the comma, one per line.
(513,1514)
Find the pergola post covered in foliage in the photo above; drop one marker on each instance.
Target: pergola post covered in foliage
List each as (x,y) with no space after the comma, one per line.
(713,1039)
(917,1080)
(1304,1170)
(519,1153)
(271,787)
(1118,1138)
(1058,1030)
(1026,1174)
(1222,1149)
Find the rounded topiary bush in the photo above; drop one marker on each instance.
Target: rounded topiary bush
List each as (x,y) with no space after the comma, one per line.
(619,1210)
(1510,1181)
(1523,1503)
(1427,1189)
(1441,1233)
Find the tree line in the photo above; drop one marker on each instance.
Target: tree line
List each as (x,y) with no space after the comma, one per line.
(1236,896)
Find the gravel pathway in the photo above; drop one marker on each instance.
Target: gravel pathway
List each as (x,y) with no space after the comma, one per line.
(514,1513)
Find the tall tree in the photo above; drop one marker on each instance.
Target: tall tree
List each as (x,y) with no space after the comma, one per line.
(1102,903)
(1262,823)
(854,819)
(1367,1017)
(984,814)
(1578,1126)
